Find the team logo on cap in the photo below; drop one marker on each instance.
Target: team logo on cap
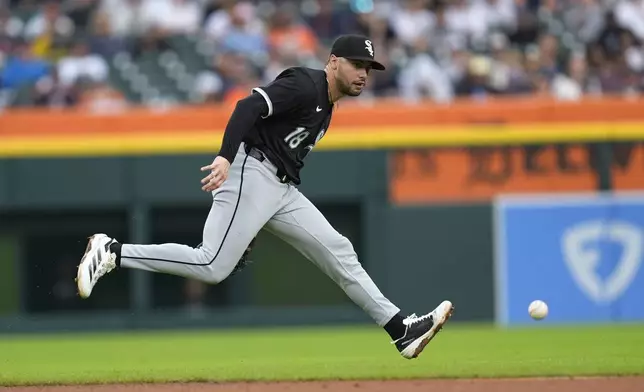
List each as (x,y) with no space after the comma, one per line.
(369,47)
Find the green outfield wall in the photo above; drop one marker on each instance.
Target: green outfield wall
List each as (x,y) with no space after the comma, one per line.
(418,254)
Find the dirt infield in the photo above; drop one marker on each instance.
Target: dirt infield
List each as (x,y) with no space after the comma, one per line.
(591,384)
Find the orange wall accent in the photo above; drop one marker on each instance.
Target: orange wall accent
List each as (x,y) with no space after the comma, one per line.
(37,122)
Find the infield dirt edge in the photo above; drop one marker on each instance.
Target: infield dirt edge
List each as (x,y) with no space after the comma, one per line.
(518,384)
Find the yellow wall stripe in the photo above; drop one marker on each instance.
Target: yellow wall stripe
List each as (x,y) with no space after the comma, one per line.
(201,141)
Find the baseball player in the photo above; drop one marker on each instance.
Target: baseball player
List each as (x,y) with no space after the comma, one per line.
(253,184)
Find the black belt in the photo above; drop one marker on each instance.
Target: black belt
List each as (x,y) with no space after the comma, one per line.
(256,153)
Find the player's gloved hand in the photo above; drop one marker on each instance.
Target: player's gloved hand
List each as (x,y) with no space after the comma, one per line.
(244,262)
(218,174)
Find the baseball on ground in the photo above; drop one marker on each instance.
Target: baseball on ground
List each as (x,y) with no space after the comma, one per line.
(538,309)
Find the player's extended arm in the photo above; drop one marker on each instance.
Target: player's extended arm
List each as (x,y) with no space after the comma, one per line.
(247,112)
(279,96)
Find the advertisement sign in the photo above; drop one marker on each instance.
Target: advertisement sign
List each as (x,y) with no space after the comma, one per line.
(478,174)
(581,254)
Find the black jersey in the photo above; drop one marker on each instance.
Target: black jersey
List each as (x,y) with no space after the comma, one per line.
(298,115)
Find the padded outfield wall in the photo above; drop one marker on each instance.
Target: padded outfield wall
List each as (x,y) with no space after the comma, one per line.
(414,187)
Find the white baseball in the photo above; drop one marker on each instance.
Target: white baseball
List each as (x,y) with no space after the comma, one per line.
(538,310)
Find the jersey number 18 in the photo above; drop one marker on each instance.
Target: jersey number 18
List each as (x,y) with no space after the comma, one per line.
(296,137)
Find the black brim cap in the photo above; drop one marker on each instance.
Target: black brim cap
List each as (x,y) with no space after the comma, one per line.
(356,47)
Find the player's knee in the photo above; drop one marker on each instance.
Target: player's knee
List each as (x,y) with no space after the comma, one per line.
(219,270)
(344,249)
(213,278)
(344,252)
(208,260)
(217,275)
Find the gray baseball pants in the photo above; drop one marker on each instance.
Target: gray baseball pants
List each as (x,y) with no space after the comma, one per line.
(250,199)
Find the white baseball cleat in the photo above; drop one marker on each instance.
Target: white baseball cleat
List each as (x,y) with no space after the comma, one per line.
(96,262)
(421,330)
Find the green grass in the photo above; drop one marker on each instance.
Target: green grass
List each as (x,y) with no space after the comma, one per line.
(333,353)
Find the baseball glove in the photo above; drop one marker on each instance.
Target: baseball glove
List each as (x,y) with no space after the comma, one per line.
(243,261)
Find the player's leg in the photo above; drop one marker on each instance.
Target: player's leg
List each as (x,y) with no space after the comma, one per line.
(302,225)
(241,206)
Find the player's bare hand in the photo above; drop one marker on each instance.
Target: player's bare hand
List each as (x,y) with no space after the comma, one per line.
(218,174)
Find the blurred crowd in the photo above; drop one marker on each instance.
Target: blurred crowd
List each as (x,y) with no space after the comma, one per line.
(93,53)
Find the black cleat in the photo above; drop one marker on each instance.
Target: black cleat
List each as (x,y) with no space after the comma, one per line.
(421,330)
